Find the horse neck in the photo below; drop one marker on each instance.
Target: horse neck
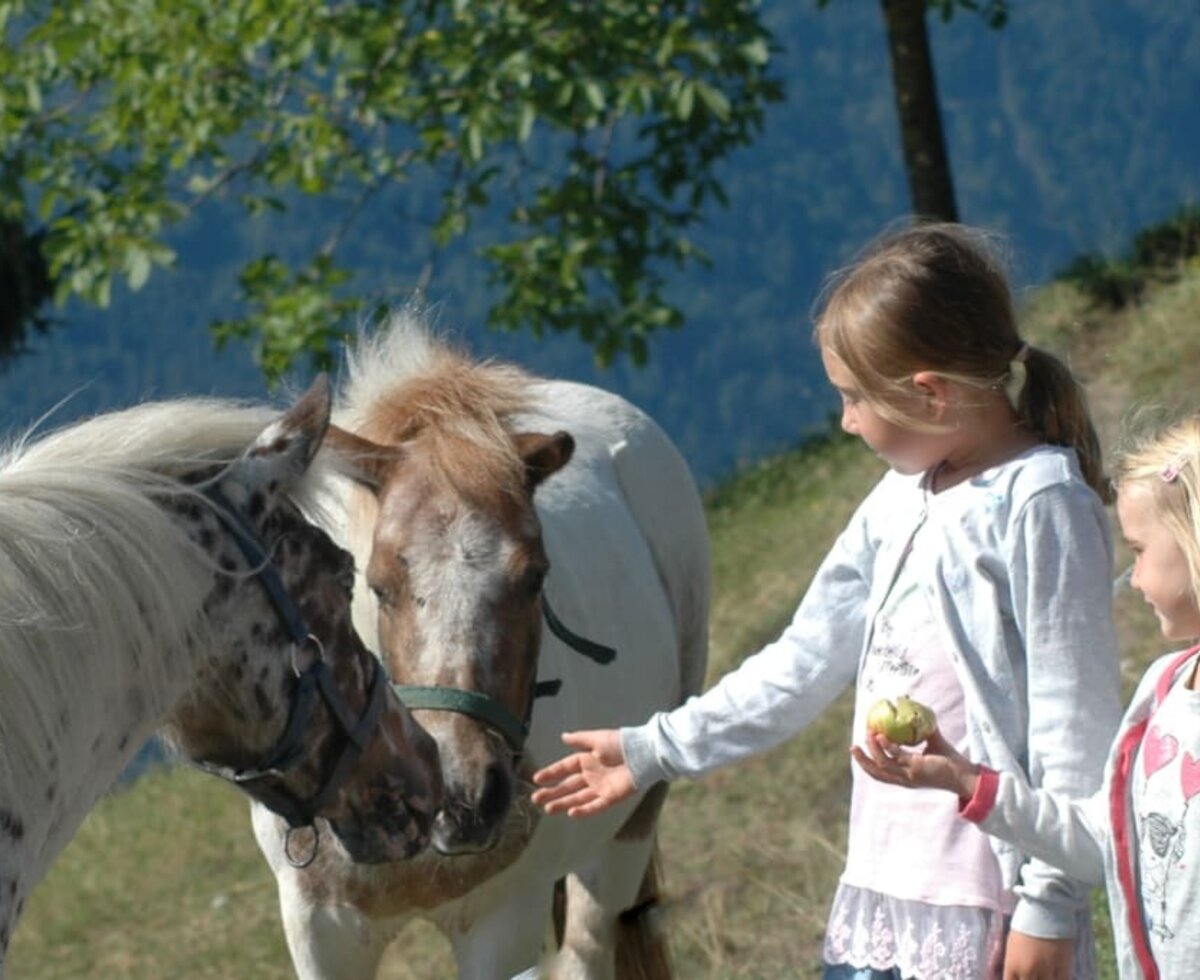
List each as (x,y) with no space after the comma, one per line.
(85,679)
(77,746)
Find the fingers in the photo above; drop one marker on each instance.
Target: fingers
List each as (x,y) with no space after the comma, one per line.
(585,741)
(577,804)
(603,743)
(582,804)
(866,763)
(576,797)
(590,780)
(602,746)
(558,771)
(936,744)
(880,767)
(558,790)
(588,809)
(887,762)
(880,748)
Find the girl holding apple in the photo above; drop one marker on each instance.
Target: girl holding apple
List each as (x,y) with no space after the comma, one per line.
(1140,835)
(975,577)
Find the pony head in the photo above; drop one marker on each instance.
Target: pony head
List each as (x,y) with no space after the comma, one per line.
(456,570)
(288,702)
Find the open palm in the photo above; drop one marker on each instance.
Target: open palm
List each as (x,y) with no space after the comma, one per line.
(588,781)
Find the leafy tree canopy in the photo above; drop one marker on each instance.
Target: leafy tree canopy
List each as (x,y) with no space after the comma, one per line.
(598,125)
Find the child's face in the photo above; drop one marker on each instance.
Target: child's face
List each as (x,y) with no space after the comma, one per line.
(904,450)
(1160,571)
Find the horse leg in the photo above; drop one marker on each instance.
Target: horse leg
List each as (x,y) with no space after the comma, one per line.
(331,942)
(622,878)
(505,940)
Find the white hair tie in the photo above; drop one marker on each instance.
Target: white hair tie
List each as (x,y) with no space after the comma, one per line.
(1014,384)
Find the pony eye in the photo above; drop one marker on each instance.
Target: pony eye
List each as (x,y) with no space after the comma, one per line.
(382,595)
(534,580)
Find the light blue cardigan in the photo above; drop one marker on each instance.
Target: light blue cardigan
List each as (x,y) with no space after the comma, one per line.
(1025,564)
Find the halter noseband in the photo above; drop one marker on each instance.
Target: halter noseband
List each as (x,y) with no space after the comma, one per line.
(493,712)
(317,679)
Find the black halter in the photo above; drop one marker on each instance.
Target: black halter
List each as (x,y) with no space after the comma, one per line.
(317,679)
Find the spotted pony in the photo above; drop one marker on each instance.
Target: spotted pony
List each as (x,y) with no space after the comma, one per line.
(156,572)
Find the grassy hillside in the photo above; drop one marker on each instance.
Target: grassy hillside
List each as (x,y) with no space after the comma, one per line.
(164,880)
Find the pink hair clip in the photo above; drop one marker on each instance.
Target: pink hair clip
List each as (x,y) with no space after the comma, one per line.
(1170,472)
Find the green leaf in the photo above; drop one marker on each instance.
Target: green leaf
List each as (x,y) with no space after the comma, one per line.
(33,95)
(685,100)
(137,268)
(525,123)
(756,52)
(474,141)
(594,94)
(714,99)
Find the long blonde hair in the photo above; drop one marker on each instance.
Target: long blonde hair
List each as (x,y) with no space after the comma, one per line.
(1166,464)
(935,297)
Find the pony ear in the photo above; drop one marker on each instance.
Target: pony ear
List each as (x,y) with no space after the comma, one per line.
(284,450)
(366,462)
(543,455)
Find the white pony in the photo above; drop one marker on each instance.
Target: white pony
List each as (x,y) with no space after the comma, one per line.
(155,570)
(514,534)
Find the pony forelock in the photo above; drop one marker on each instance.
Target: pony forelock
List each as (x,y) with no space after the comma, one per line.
(402,381)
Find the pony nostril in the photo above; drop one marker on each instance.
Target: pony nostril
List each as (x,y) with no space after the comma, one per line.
(497,793)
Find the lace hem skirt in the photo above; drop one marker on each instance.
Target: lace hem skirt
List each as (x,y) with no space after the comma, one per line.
(929,942)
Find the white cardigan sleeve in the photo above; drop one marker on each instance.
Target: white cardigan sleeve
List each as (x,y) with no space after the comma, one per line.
(1062,597)
(1065,833)
(776,692)
(1072,834)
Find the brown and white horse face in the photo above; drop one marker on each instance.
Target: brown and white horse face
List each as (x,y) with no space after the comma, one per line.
(384,809)
(458,576)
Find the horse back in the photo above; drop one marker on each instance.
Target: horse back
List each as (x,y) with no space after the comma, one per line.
(629,490)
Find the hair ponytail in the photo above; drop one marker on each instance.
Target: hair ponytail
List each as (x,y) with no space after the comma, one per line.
(1053,406)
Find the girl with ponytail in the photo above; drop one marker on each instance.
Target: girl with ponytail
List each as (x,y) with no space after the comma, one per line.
(975,578)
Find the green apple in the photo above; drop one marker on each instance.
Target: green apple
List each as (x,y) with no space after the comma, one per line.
(903,721)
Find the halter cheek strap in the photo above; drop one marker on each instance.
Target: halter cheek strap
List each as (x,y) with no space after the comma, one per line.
(580,644)
(260,562)
(316,680)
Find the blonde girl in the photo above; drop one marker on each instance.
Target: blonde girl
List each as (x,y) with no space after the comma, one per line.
(975,577)
(1140,835)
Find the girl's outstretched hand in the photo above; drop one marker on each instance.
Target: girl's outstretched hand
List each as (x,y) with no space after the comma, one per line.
(939,766)
(590,780)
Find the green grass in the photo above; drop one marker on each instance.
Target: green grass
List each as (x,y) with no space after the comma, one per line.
(164,880)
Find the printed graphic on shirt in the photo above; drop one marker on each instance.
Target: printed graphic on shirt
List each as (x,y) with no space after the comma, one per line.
(1162,850)
(1169,826)
(887,656)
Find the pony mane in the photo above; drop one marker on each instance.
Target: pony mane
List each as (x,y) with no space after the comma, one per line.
(402,385)
(96,578)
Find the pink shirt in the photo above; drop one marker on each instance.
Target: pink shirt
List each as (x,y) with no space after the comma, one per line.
(912,843)
(922,889)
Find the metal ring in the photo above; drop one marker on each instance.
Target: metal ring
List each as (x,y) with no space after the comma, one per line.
(296,647)
(287,846)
